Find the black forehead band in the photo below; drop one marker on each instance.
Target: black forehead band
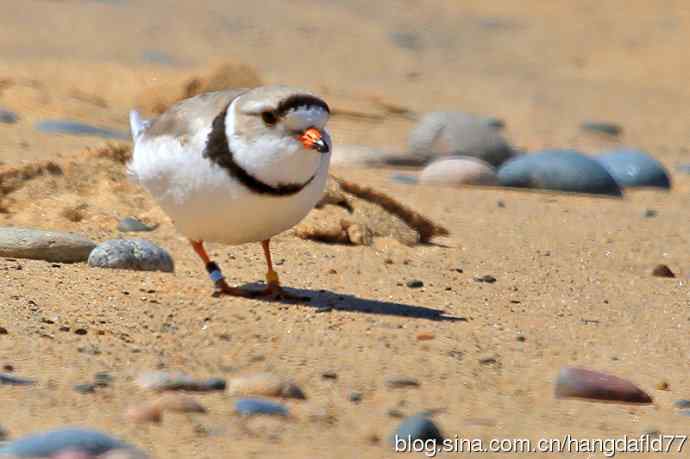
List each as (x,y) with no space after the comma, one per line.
(300,100)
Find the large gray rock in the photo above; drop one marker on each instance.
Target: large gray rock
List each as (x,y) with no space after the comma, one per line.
(52,443)
(133,254)
(44,245)
(559,170)
(458,170)
(635,168)
(440,134)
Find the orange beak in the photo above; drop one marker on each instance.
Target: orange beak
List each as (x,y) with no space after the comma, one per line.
(312,139)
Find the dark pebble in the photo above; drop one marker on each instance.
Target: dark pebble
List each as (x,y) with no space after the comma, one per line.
(87,388)
(650,213)
(593,385)
(7,116)
(395,413)
(80,331)
(11,380)
(251,406)
(417,427)
(355,397)
(558,170)
(681,404)
(51,443)
(77,128)
(329,375)
(662,271)
(635,168)
(3,331)
(488,278)
(397,383)
(102,379)
(602,127)
(415,283)
(134,225)
(212,384)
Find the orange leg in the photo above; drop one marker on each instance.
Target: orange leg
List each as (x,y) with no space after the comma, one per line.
(273,289)
(220,286)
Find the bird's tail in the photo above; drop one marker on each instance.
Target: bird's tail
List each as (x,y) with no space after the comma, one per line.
(137,124)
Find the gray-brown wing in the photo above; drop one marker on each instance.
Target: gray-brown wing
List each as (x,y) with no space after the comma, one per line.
(190,115)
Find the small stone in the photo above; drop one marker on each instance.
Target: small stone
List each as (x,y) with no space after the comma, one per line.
(425,336)
(133,254)
(395,413)
(458,171)
(662,271)
(143,414)
(50,246)
(10,380)
(265,384)
(253,406)
(681,404)
(162,381)
(103,379)
(488,360)
(662,385)
(635,168)
(178,403)
(8,367)
(7,116)
(80,331)
(593,385)
(87,388)
(329,375)
(602,127)
(54,442)
(650,213)
(417,427)
(355,397)
(401,382)
(3,331)
(77,128)
(133,225)
(521,339)
(414,283)
(488,279)
(559,170)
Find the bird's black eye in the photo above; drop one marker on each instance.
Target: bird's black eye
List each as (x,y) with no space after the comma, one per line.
(269,118)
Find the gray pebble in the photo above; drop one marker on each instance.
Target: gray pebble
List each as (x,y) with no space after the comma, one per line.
(405,179)
(134,225)
(650,213)
(635,168)
(487,278)
(417,427)
(440,134)
(77,128)
(133,254)
(102,379)
(7,116)
(602,127)
(401,382)
(87,388)
(44,245)
(355,397)
(11,380)
(251,406)
(163,380)
(51,443)
(558,170)
(681,404)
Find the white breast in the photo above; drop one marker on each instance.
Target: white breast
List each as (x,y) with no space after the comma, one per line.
(206,203)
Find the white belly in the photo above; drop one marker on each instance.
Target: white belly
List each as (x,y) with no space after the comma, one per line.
(206,204)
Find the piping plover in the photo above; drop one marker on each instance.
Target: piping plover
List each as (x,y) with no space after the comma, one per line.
(235,166)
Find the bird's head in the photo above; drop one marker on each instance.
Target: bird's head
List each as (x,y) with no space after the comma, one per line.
(278,134)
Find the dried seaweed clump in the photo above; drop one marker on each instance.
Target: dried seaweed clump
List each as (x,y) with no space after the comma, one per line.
(353,214)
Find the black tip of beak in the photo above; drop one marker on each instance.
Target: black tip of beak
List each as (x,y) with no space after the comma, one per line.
(321,146)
